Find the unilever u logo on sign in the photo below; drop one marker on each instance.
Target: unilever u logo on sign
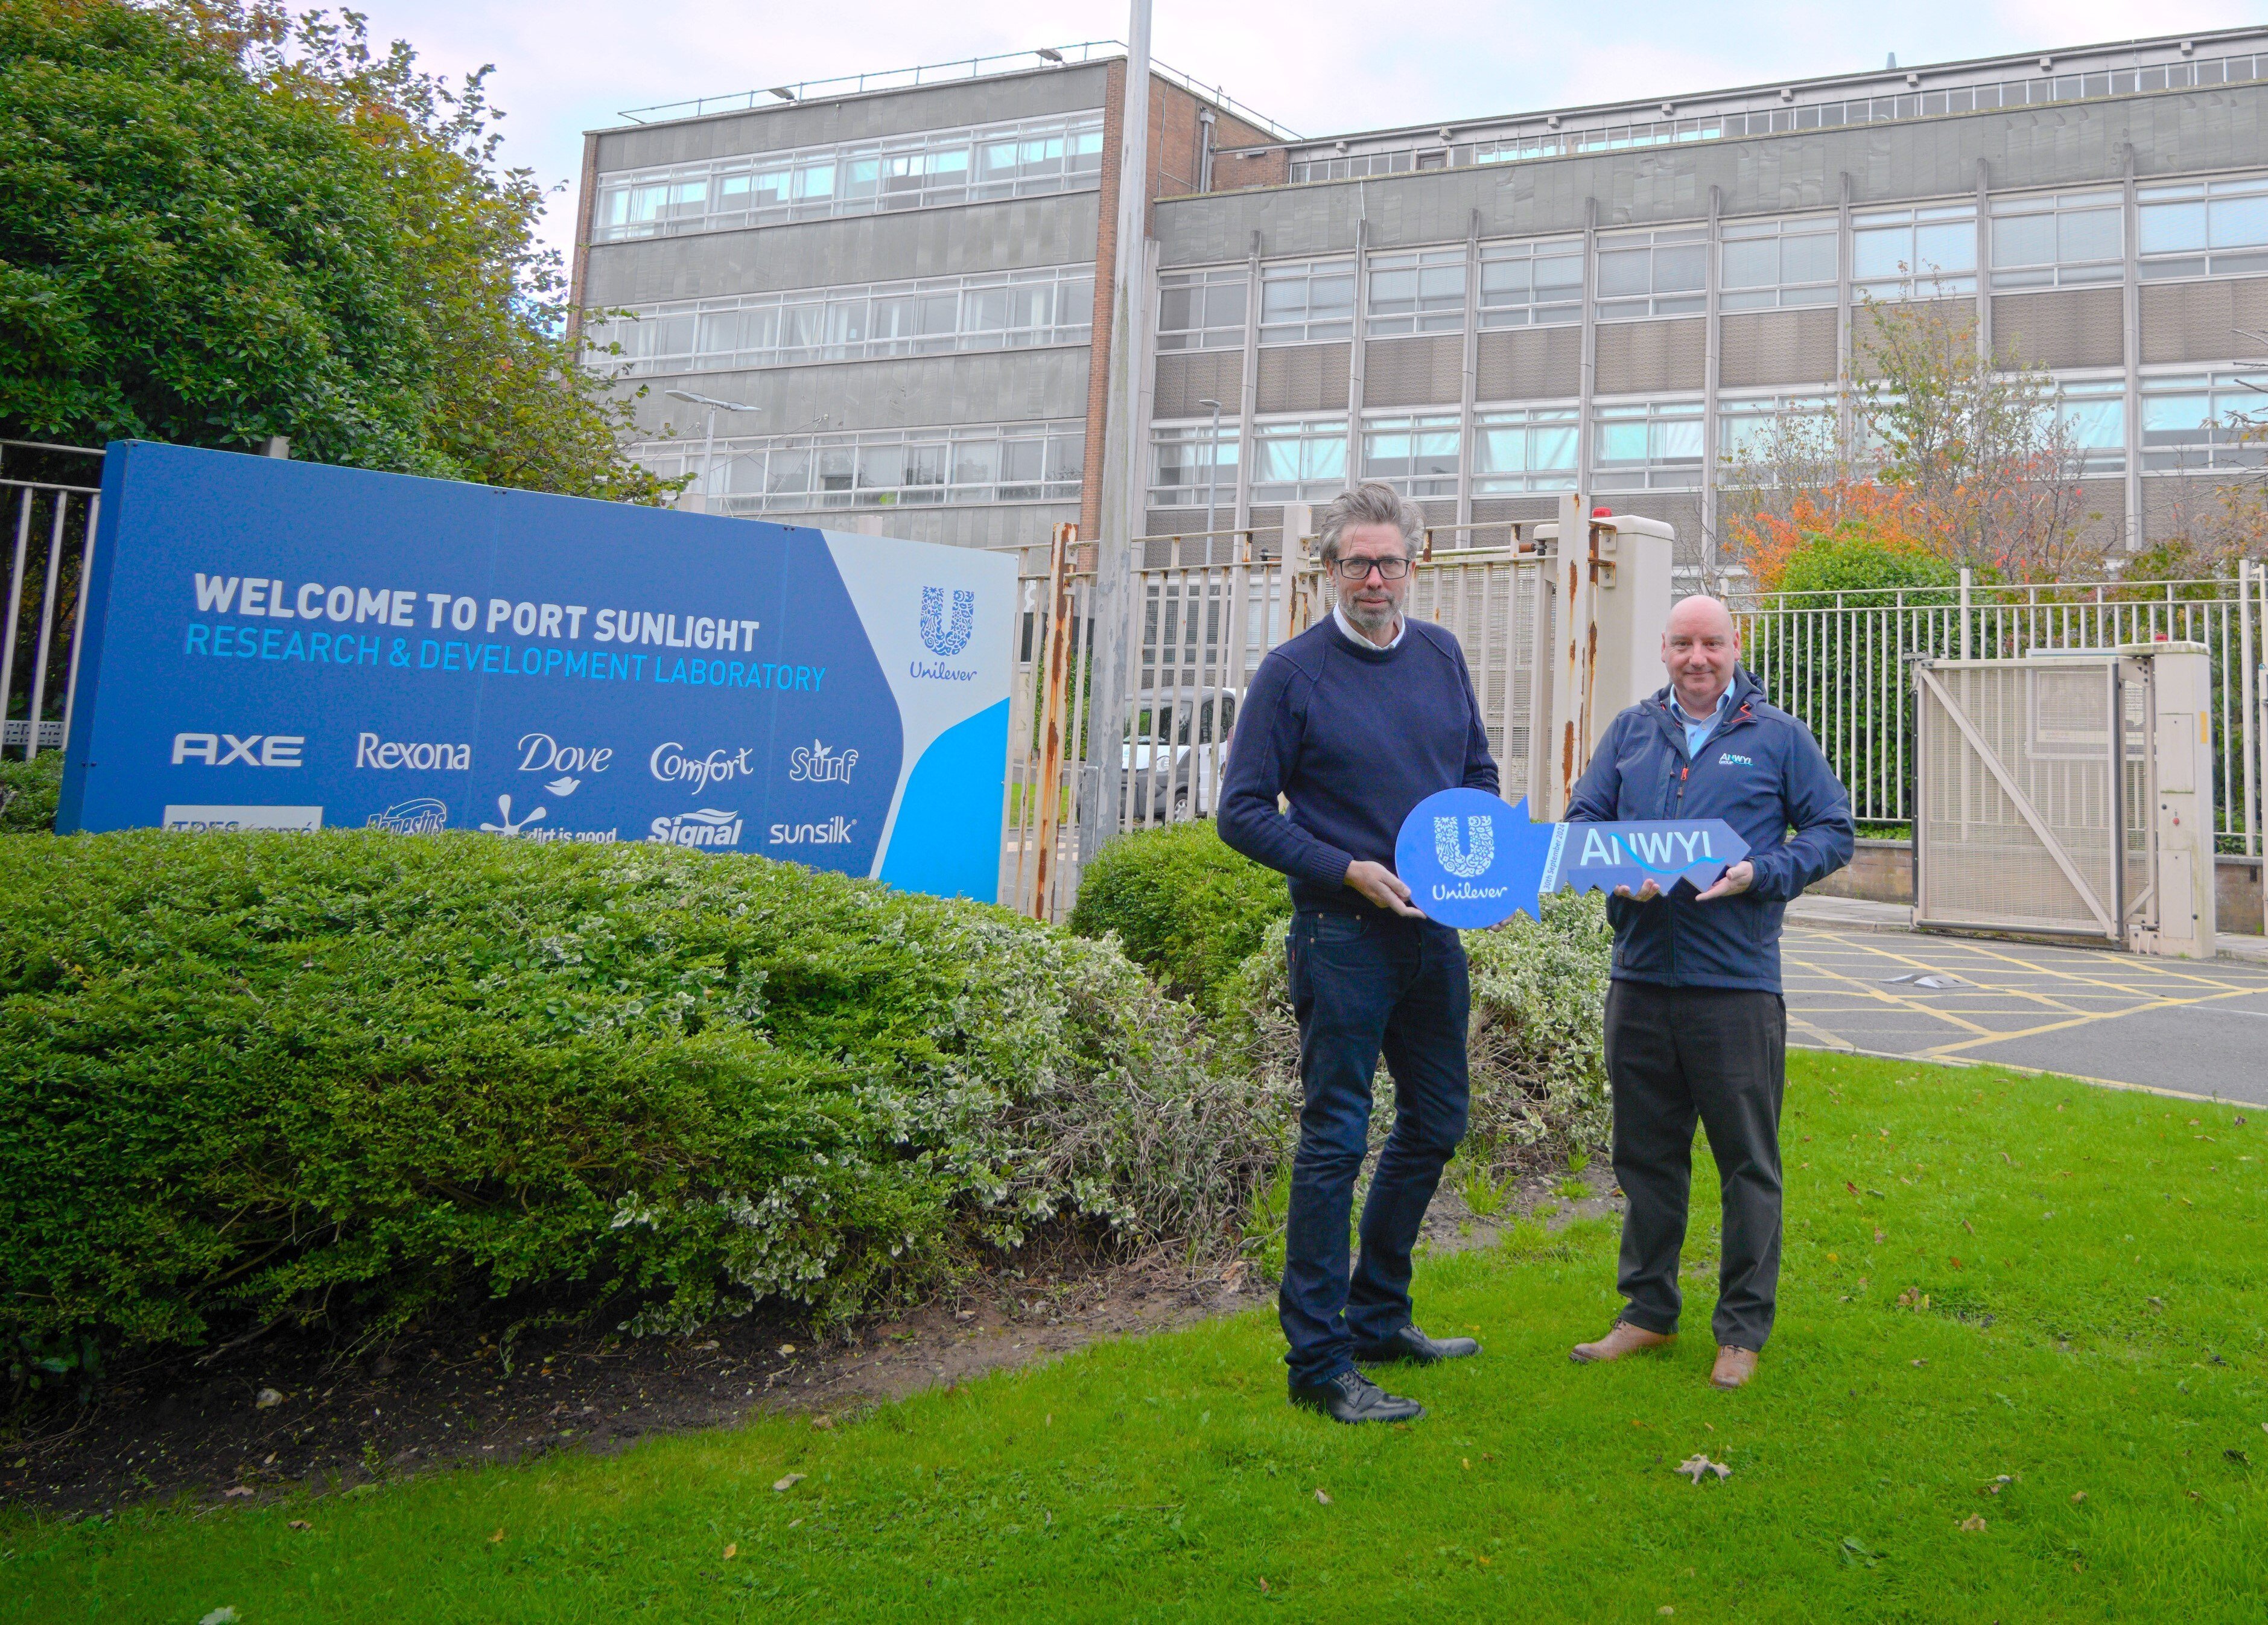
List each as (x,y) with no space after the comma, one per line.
(1465,864)
(943,641)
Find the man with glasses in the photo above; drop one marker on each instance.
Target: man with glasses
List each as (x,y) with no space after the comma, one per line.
(1353,723)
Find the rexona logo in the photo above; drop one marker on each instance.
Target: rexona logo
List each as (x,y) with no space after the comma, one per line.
(946,640)
(670,766)
(816,764)
(252,750)
(1456,857)
(540,753)
(385,754)
(424,815)
(707,827)
(835,833)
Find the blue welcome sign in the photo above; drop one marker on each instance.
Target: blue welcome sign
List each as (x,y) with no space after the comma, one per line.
(283,645)
(1471,861)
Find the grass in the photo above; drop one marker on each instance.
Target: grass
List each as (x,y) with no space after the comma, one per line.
(2101,1336)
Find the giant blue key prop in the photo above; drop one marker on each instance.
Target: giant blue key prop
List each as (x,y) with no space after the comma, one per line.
(1471,861)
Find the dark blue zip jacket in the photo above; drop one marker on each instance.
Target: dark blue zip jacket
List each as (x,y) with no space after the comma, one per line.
(1762,772)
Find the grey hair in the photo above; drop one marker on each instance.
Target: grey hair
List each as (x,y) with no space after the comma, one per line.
(1370,504)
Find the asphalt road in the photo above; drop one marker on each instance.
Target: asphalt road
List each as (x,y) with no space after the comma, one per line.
(2191,1028)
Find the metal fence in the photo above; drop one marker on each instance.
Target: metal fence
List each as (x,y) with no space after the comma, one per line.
(1838,661)
(49,542)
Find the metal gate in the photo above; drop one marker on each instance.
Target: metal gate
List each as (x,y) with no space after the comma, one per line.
(2032,786)
(49,546)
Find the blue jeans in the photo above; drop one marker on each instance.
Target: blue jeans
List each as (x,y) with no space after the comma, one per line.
(1361,987)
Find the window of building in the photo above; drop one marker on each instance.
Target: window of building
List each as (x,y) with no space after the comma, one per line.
(1754,428)
(2094,414)
(1188,465)
(1773,263)
(1531,284)
(927,170)
(1422,292)
(2196,422)
(882,468)
(1903,254)
(1202,310)
(1646,446)
(1416,455)
(1532,449)
(2054,242)
(1300,460)
(1012,310)
(2217,228)
(1660,273)
(1307,301)
(1353,165)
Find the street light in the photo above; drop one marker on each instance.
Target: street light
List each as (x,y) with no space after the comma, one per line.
(709,447)
(1212,472)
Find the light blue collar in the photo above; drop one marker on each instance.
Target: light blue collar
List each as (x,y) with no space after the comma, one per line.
(1696,734)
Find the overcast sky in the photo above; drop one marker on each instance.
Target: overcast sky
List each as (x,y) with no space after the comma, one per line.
(1318,66)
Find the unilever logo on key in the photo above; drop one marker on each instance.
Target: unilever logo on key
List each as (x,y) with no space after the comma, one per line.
(1465,864)
(942,640)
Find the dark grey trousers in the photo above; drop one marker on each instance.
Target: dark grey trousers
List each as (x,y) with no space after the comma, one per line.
(1719,1054)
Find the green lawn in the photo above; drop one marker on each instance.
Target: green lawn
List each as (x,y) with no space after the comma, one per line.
(2102,1337)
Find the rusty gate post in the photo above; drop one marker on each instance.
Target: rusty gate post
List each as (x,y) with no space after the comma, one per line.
(1062,649)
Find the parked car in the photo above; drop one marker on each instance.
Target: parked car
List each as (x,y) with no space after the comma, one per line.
(1173,769)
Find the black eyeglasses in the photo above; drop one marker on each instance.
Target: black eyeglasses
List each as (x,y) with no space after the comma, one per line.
(1359,569)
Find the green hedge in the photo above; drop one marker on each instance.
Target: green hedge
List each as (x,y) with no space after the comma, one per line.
(30,790)
(1184,906)
(251,1078)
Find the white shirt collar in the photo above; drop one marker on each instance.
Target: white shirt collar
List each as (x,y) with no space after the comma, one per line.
(1347,627)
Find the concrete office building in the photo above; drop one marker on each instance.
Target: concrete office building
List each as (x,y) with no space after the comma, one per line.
(1486,313)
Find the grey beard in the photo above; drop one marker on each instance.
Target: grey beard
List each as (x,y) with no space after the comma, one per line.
(1367,619)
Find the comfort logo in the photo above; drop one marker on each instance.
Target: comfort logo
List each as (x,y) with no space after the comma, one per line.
(1728,759)
(835,833)
(943,641)
(1462,863)
(252,750)
(707,827)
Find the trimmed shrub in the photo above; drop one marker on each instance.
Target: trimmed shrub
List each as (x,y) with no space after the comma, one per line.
(1185,907)
(1537,1043)
(29,791)
(246,1079)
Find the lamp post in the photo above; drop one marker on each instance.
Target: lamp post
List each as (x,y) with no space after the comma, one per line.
(709,446)
(1212,472)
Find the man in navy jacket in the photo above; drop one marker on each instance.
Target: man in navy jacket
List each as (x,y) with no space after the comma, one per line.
(1696,1024)
(1354,722)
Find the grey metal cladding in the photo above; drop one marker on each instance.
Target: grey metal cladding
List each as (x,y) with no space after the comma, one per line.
(1018,234)
(1414,372)
(1635,357)
(2060,144)
(1866,323)
(912,392)
(855,118)
(1778,347)
(1005,524)
(2200,321)
(1679,510)
(1303,378)
(2069,327)
(1531,364)
(1186,377)
(1525,510)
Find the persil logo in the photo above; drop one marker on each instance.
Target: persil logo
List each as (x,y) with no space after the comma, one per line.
(835,833)
(385,755)
(707,827)
(422,815)
(252,750)
(670,766)
(939,639)
(816,764)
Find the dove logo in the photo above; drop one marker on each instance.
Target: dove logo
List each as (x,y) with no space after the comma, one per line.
(1466,864)
(940,640)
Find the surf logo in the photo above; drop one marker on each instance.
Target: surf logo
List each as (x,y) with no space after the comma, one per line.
(422,815)
(1466,864)
(939,639)
(817,762)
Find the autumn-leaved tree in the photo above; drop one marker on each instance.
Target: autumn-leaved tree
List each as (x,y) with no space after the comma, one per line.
(218,224)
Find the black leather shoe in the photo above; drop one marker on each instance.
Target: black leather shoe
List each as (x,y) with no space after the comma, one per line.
(1410,1343)
(1352,1397)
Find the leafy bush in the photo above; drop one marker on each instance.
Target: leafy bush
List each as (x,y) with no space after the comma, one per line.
(1184,906)
(28,792)
(252,1078)
(1536,1045)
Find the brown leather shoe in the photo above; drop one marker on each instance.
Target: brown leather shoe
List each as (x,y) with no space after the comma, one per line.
(1734,1367)
(1622,1339)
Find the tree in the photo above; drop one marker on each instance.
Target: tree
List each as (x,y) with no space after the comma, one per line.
(217,225)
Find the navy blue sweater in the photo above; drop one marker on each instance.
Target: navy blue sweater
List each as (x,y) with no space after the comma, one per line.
(1762,772)
(1353,737)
